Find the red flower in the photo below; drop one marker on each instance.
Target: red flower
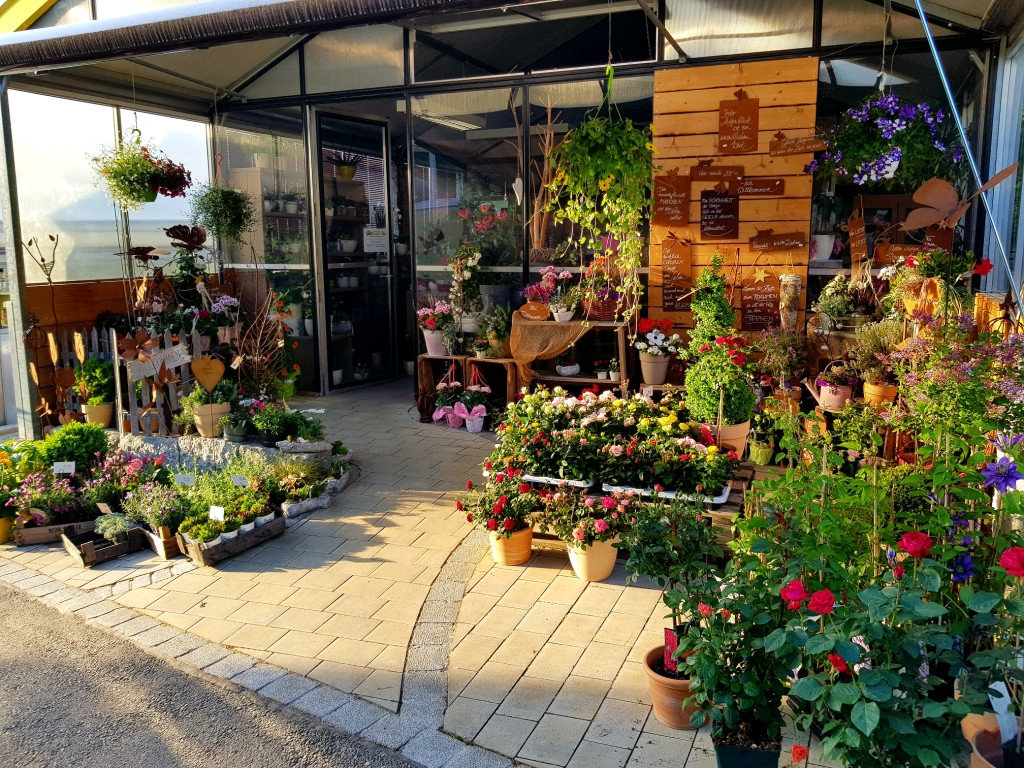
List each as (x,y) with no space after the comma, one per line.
(822,602)
(492,523)
(911,261)
(839,664)
(983,267)
(500,477)
(738,357)
(916,544)
(469,485)
(899,572)
(704,609)
(524,488)
(431,323)
(501,215)
(463,213)
(487,465)
(799,753)
(485,207)
(204,314)
(658,488)
(726,614)
(794,593)
(458,506)
(509,523)
(469,517)
(1013,561)
(704,347)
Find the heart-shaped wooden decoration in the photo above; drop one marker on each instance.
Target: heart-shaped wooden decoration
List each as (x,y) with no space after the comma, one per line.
(535,310)
(64,377)
(208,370)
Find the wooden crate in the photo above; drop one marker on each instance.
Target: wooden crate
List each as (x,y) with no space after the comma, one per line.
(163,542)
(226,549)
(89,548)
(47,534)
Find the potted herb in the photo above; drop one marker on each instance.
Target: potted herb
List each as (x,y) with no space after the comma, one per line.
(671,542)
(613,369)
(95,381)
(589,526)
(235,425)
(114,527)
(656,348)
(162,510)
(875,342)
(505,507)
(223,211)
(834,301)
(134,174)
(601,369)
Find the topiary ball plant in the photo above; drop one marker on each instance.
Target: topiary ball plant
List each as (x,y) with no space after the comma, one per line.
(84,444)
(706,379)
(223,211)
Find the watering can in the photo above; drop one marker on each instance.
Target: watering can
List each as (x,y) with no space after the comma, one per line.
(831,398)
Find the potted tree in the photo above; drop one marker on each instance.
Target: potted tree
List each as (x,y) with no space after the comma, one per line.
(720,391)
(672,543)
(505,507)
(95,380)
(781,363)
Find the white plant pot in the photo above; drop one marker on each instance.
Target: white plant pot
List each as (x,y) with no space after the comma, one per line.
(567,370)
(821,247)
(564,316)
(603,375)
(268,206)
(229,535)
(291,207)
(307,325)
(342,282)
(264,519)
(336,377)
(348,246)
(246,527)
(401,249)
(613,375)
(373,269)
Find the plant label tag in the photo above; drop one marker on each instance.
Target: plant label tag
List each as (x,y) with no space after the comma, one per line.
(236,362)
(241,481)
(648,392)
(671,645)
(280,343)
(104,508)
(217,513)
(63,467)
(185,479)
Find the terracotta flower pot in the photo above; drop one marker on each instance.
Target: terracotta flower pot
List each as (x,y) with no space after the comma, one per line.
(5,529)
(593,563)
(654,368)
(434,341)
(513,550)
(668,694)
(982,733)
(98,414)
(879,394)
(206,418)
(733,436)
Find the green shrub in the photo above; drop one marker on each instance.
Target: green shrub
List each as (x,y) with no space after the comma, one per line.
(113,526)
(84,444)
(207,531)
(95,381)
(703,380)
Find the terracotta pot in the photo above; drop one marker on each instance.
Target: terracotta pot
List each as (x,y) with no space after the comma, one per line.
(834,398)
(99,414)
(654,368)
(434,341)
(514,550)
(505,344)
(5,529)
(206,418)
(668,694)
(982,733)
(733,436)
(593,563)
(878,394)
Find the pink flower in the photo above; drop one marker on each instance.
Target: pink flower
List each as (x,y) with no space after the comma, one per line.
(588,501)
(899,572)
(607,502)
(794,594)
(579,534)
(600,525)
(704,609)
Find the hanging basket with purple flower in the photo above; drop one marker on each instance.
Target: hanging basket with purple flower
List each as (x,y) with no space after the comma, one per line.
(890,144)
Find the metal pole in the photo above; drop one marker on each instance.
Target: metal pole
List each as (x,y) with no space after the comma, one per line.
(1004,259)
(25,394)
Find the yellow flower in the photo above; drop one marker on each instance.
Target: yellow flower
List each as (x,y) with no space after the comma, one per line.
(644,423)
(713,449)
(668,421)
(650,146)
(617,403)
(5,459)
(603,185)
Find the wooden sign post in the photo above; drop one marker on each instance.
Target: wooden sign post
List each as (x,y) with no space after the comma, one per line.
(760,302)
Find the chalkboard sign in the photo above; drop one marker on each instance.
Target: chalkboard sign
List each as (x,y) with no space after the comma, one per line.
(676,272)
(671,201)
(936,237)
(858,237)
(760,304)
(719,215)
(737,126)
(705,171)
(767,240)
(751,187)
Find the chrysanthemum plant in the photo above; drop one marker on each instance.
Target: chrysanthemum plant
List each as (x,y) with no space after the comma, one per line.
(602,184)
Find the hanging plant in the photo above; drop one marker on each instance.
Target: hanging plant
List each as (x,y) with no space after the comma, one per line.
(602,184)
(223,211)
(887,143)
(134,174)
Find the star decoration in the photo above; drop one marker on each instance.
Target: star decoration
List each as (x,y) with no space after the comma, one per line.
(760,275)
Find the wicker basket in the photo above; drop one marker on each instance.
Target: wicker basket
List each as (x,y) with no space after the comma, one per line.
(600,310)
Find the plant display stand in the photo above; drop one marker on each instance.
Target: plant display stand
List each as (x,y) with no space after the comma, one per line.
(483,364)
(225,549)
(431,369)
(89,548)
(534,340)
(47,534)
(163,542)
(723,517)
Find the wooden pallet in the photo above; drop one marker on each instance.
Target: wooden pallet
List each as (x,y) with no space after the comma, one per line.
(91,549)
(163,542)
(226,549)
(47,534)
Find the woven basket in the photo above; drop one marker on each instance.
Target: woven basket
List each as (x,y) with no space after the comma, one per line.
(599,310)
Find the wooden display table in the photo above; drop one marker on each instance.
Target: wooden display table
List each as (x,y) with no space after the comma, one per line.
(483,364)
(534,340)
(431,369)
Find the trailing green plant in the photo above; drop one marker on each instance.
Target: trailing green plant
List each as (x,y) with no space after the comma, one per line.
(113,526)
(84,444)
(95,380)
(223,211)
(134,174)
(602,184)
(712,313)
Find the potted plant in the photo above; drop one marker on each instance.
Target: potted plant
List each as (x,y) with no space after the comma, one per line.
(446,395)
(499,329)
(480,346)
(829,213)
(613,369)
(781,363)
(472,406)
(719,390)
(834,386)
(223,211)
(602,183)
(601,370)
(875,342)
(834,301)
(656,348)
(345,164)
(161,509)
(206,408)
(672,542)
(433,320)
(505,507)
(235,424)
(347,240)
(95,381)
(134,174)
(761,439)
(589,526)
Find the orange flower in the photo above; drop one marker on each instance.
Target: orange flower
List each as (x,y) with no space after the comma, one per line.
(284,372)
(280,304)
(296,367)
(295,345)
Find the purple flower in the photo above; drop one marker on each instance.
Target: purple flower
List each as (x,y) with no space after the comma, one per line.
(1002,475)
(1004,442)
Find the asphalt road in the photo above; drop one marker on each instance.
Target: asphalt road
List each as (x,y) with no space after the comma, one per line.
(75,696)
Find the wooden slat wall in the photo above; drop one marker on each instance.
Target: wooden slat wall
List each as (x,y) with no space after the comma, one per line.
(686,132)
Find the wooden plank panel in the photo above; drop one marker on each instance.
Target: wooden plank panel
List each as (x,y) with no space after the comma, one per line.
(758,165)
(779,71)
(705,99)
(772,119)
(707,143)
(747,230)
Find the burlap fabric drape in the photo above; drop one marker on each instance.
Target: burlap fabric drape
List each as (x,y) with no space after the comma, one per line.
(540,340)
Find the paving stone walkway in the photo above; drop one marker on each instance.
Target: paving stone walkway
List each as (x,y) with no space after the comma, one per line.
(386,616)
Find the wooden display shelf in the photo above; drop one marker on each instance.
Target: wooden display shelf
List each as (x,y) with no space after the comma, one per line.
(511,373)
(556,379)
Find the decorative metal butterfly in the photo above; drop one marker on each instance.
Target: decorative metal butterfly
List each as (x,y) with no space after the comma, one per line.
(941,204)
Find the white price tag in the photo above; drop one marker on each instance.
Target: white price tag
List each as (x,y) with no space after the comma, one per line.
(217,513)
(240,481)
(63,467)
(648,392)
(185,479)
(236,362)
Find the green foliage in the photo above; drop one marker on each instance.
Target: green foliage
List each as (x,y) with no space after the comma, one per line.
(217,489)
(225,212)
(206,531)
(712,313)
(156,505)
(113,526)
(499,322)
(84,444)
(875,340)
(835,299)
(706,379)
(95,380)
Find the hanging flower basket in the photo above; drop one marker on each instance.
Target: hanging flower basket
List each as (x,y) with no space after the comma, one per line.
(135,175)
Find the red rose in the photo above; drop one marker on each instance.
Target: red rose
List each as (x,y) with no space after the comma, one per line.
(503,500)
(487,465)
(497,508)
(911,262)
(458,506)
(839,664)
(794,592)
(738,357)
(899,571)
(799,753)
(469,517)
(726,614)
(822,602)
(983,267)
(704,347)
(1013,561)
(704,609)
(469,485)
(524,488)
(500,477)
(492,524)
(509,523)
(916,544)
(658,488)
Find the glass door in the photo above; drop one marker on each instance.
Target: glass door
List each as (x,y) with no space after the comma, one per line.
(357,250)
